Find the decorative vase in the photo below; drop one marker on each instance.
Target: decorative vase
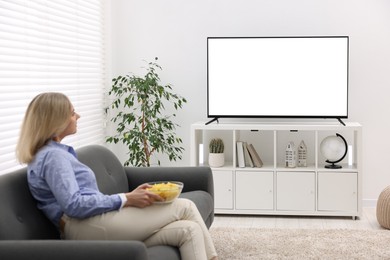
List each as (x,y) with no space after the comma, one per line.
(216,159)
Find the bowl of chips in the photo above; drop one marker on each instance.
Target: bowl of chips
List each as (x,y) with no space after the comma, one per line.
(168,190)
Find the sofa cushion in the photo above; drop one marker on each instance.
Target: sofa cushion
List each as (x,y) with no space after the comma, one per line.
(68,249)
(19,216)
(110,174)
(163,253)
(204,202)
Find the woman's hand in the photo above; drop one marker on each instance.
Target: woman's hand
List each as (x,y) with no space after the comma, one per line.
(140,197)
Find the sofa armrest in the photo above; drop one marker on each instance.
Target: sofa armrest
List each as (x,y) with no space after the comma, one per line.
(71,249)
(194,178)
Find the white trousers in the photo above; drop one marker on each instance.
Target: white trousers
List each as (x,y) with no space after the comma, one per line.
(176,224)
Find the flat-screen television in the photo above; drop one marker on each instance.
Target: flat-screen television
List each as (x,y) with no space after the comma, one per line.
(277,77)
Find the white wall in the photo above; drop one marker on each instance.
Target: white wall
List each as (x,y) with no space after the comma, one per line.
(176,31)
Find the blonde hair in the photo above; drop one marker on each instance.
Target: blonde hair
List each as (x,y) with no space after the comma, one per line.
(47,116)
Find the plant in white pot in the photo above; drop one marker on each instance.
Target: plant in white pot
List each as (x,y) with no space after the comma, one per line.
(142,125)
(216,153)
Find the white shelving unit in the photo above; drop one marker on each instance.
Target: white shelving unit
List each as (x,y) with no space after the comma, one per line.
(275,189)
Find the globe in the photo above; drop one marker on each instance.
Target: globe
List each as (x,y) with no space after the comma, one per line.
(334,149)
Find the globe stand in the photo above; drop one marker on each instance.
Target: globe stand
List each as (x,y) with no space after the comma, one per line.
(333,164)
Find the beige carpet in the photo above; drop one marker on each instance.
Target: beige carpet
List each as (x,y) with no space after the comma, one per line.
(245,243)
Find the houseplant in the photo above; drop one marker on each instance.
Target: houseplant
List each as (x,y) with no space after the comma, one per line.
(216,153)
(138,108)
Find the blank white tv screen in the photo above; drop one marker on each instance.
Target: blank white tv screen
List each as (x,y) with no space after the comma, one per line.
(278,77)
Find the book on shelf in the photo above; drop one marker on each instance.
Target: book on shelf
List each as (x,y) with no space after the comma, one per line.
(240,154)
(255,156)
(248,158)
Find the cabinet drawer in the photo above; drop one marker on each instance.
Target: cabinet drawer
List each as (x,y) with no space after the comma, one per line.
(254,190)
(337,191)
(295,191)
(223,189)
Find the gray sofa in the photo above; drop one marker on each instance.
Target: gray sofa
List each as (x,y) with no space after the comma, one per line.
(25,233)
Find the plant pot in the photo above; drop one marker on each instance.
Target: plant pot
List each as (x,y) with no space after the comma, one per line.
(216,159)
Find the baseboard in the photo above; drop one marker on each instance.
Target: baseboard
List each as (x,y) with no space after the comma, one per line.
(369,203)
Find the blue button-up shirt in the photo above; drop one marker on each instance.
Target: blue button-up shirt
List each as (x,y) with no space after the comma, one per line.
(63,185)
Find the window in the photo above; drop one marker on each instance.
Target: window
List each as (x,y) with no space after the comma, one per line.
(51,45)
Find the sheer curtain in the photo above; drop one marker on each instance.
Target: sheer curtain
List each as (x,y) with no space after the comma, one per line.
(51,45)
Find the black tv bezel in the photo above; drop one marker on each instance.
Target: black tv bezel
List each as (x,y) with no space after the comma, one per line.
(339,117)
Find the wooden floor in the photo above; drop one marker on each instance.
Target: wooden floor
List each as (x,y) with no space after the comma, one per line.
(366,221)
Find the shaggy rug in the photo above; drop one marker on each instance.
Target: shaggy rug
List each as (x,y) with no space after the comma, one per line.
(246,243)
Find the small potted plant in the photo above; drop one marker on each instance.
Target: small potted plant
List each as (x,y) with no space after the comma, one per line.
(216,153)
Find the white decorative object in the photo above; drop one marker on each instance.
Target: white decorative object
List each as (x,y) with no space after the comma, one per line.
(302,154)
(216,159)
(291,156)
(334,148)
(201,154)
(350,155)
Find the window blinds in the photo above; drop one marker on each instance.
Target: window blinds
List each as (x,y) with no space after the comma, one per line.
(51,45)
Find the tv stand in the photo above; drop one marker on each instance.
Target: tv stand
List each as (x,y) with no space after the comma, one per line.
(341,121)
(275,189)
(212,120)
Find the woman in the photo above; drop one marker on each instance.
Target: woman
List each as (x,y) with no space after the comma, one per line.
(67,192)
